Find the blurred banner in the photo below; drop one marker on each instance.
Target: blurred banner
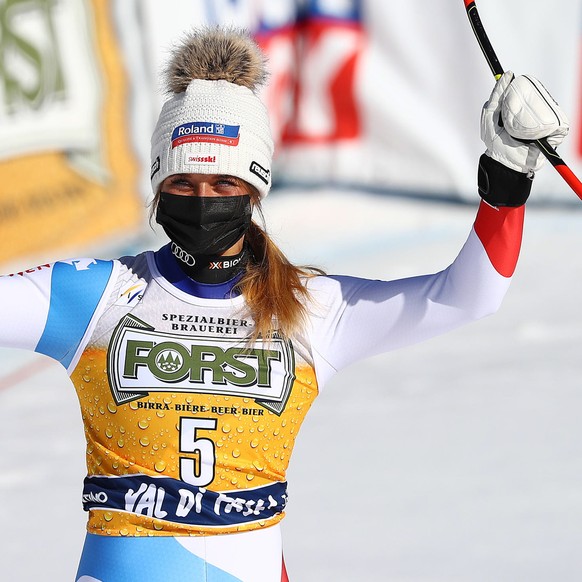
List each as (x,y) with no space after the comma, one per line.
(362,93)
(388,94)
(68,172)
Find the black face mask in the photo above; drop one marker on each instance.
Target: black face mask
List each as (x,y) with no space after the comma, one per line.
(204,225)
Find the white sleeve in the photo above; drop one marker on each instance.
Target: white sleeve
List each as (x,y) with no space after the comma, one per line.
(355,318)
(49,309)
(24,306)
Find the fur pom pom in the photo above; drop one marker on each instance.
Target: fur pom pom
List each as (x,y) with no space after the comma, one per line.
(213,54)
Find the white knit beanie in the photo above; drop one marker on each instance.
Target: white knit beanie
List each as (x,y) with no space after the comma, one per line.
(214,123)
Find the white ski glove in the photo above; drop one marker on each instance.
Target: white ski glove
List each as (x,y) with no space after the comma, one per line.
(520,108)
(519,111)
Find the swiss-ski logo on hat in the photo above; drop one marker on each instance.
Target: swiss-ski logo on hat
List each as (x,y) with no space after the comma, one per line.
(205,131)
(194,159)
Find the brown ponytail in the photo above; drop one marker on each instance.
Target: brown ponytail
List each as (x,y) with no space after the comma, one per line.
(273,287)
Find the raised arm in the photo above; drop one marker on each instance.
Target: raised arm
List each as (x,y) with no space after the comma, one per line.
(356,318)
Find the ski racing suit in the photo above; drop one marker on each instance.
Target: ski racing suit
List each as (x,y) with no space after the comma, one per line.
(189,427)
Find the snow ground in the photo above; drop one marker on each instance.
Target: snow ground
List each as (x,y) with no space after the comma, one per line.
(459,459)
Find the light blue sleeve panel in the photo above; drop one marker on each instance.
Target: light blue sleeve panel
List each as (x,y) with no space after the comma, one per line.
(77,288)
